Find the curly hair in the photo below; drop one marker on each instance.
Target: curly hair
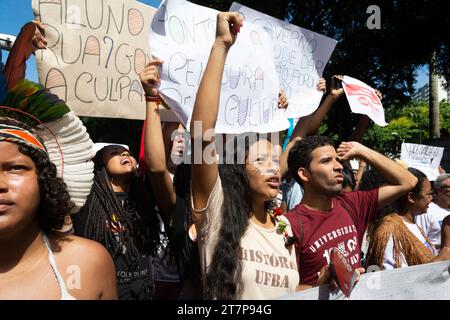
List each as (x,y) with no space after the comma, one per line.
(300,154)
(223,277)
(55,202)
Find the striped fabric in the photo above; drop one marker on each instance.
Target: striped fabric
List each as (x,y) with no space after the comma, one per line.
(20,136)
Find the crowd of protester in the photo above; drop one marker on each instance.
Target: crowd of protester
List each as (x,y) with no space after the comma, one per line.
(260,225)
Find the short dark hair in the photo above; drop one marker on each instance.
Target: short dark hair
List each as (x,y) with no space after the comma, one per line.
(420,178)
(300,153)
(402,201)
(349,178)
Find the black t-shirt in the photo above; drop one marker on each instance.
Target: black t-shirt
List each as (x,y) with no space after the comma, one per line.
(134,281)
(185,250)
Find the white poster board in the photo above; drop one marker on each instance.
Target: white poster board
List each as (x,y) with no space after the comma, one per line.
(429,281)
(300,57)
(95,52)
(422,157)
(182,36)
(363,100)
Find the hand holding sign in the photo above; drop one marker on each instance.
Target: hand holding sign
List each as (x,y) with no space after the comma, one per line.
(282,100)
(364,99)
(336,89)
(322,85)
(39,41)
(300,58)
(249,84)
(150,78)
(94,53)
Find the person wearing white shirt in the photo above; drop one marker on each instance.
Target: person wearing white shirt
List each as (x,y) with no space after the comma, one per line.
(431,221)
(397,241)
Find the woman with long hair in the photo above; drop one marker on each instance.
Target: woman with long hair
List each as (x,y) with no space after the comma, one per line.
(36,260)
(120,214)
(396,240)
(244,245)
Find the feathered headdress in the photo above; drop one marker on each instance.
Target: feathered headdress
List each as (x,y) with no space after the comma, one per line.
(65,138)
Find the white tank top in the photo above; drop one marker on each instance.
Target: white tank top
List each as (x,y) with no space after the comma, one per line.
(65,295)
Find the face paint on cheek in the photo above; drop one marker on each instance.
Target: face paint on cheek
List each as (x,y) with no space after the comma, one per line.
(264,171)
(256,170)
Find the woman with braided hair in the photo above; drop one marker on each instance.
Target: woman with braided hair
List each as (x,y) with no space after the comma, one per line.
(120,214)
(37,261)
(396,240)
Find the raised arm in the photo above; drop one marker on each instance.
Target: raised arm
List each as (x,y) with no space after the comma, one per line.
(309,125)
(399,179)
(155,155)
(206,108)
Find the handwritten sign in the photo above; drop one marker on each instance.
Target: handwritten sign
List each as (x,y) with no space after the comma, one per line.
(300,56)
(422,157)
(182,36)
(95,52)
(363,99)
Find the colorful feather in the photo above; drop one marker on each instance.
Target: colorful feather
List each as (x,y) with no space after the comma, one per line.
(65,137)
(36,100)
(20,52)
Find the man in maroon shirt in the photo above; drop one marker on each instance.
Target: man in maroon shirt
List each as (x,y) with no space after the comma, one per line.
(327,219)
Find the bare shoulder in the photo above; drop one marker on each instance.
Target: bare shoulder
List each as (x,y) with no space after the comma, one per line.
(89,263)
(80,250)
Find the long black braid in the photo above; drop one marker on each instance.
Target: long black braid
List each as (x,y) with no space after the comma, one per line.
(104,209)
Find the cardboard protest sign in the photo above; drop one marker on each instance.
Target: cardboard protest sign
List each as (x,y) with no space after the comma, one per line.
(182,36)
(300,57)
(422,157)
(363,99)
(95,52)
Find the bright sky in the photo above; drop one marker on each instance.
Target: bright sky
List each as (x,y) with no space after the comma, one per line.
(15,13)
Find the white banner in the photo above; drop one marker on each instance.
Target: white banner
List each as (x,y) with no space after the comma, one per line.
(300,56)
(182,36)
(95,52)
(425,158)
(429,281)
(363,99)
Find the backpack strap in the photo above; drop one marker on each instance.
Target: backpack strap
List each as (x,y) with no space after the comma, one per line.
(300,240)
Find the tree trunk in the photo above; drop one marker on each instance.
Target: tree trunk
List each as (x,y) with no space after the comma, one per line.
(434,100)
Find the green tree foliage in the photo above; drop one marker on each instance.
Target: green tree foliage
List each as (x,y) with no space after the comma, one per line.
(408,124)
